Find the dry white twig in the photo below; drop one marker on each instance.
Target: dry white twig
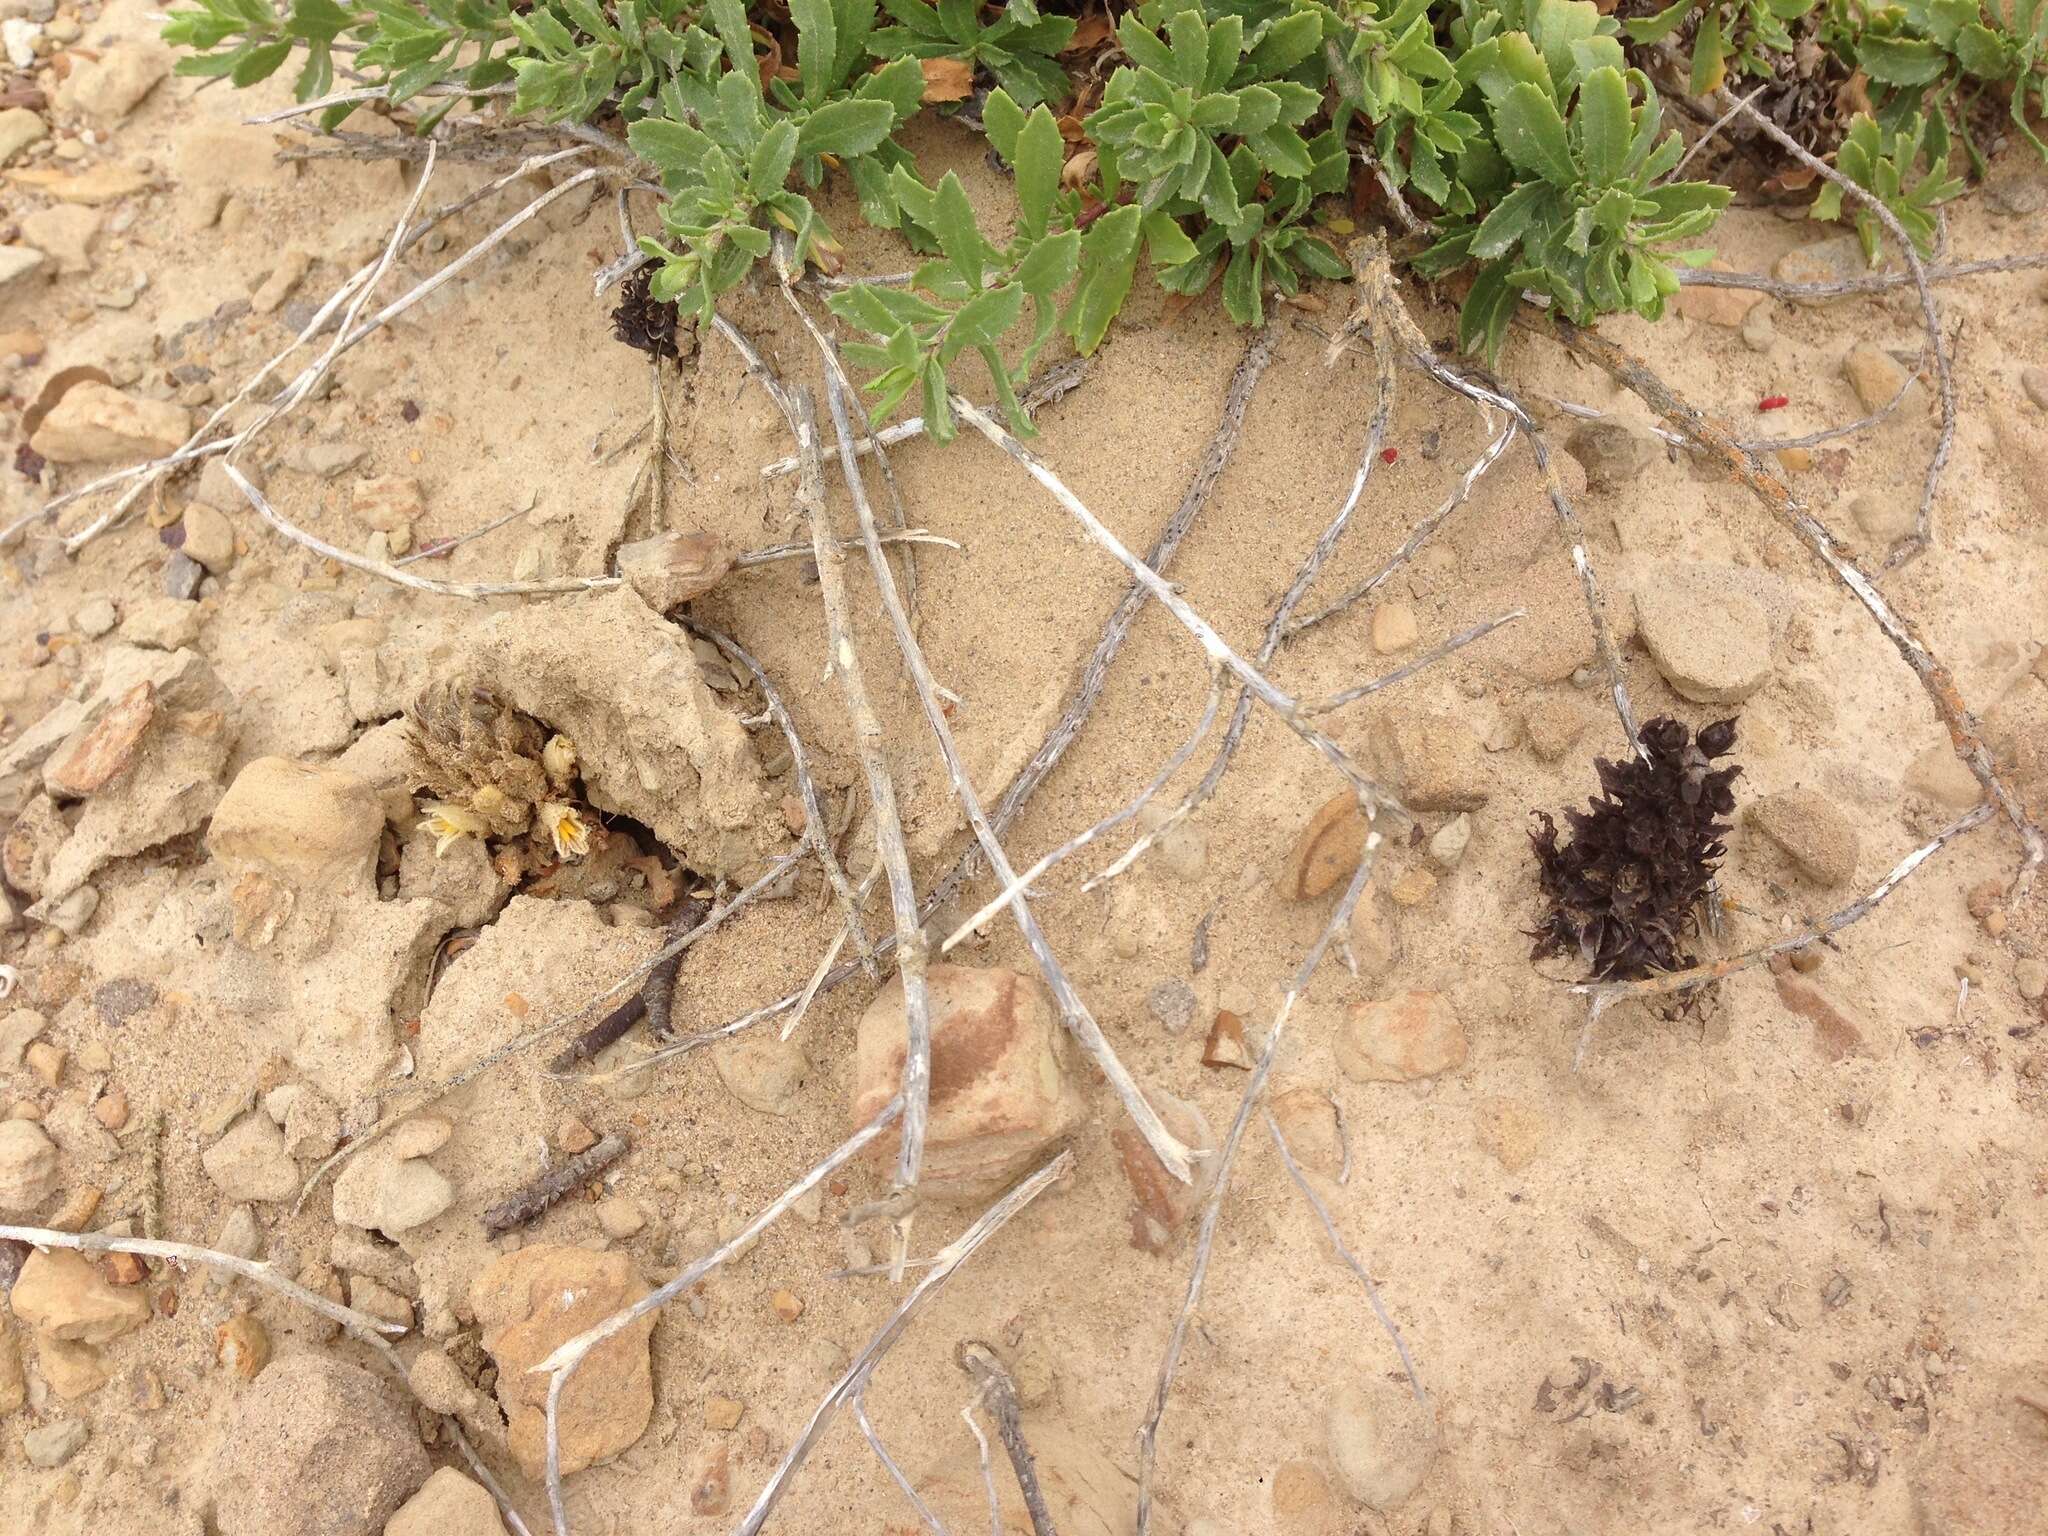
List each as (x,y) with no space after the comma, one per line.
(562,1362)
(855,1378)
(1212,1210)
(859,1404)
(890,850)
(1074,1013)
(1372,1294)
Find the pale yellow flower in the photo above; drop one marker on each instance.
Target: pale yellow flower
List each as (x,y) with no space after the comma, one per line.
(449,823)
(565,824)
(558,758)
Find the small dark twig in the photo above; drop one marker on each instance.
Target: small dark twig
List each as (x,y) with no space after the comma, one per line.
(517,1209)
(651,1001)
(1000,1392)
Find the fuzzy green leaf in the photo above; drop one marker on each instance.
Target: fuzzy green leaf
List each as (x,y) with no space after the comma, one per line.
(1532,135)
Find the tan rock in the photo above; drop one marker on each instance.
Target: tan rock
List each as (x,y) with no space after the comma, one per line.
(1711,642)
(1326,851)
(62,1295)
(314,828)
(1837,1032)
(95,186)
(448,1504)
(112,86)
(95,423)
(389,503)
(671,568)
(315,1447)
(28,1164)
(71,1370)
(1510,1132)
(1401,1038)
(1394,628)
(1308,1119)
(209,537)
(1000,1095)
(13,1380)
(1161,1203)
(105,749)
(1810,830)
(1877,377)
(529,1302)
(250,1162)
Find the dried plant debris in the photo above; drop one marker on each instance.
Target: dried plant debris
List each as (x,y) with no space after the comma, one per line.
(492,771)
(1624,892)
(643,322)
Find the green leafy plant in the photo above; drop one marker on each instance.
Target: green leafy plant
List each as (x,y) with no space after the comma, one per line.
(1390,71)
(1888,165)
(1018,46)
(1940,58)
(1740,37)
(726,150)
(975,293)
(1585,226)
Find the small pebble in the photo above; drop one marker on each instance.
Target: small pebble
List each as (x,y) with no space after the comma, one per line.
(47,1062)
(1448,844)
(1225,1046)
(241,1346)
(111,1109)
(786,1305)
(2035,382)
(1393,628)
(723,1413)
(573,1136)
(1172,1003)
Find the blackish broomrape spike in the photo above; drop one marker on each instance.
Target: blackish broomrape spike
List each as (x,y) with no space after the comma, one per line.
(1623,894)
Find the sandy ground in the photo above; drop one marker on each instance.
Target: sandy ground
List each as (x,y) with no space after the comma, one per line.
(1734,1272)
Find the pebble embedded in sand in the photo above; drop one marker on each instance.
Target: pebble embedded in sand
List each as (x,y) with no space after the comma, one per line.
(530,1302)
(62,1295)
(448,1504)
(1380,1441)
(250,1162)
(1711,642)
(1161,1204)
(96,423)
(1394,628)
(1877,378)
(315,1447)
(1000,1093)
(1326,851)
(1811,832)
(28,1167)
(1400,1038)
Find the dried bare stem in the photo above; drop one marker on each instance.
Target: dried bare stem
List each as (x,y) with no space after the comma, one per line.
(561,1364)
(894,857)
(1876,282)
(1074,1013)
(1212,1209)
(1213,645)
(1375,282)
(1605,993)
(1428,658)
(855,1377)
(1073,845)
(1944,442)
(537,1196)
(807,788)
(859,1404)
(988,1471)
(1965,735)
(772,553)
(997,1389)
(1420,534)
(1496,395)
(786,269)
(1351,1262)
(1094,673)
